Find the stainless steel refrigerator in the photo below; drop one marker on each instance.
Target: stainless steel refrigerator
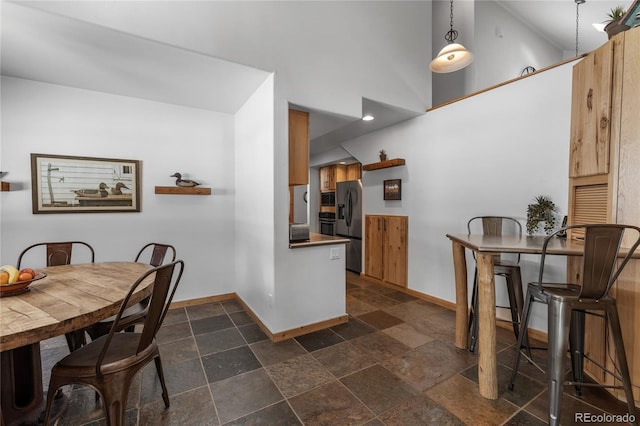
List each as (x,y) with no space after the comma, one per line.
(349,221)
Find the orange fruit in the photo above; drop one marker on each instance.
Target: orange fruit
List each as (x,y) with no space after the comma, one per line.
(25,276)
(4,277)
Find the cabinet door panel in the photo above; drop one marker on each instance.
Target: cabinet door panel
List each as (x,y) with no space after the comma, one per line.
(395,250)
(591,113)
(374,260)
(298,147)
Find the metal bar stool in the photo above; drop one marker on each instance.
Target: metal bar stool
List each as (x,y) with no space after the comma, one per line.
(508,269)
(568,303)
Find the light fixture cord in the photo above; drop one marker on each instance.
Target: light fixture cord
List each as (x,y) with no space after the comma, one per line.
(452,34)
(578,3)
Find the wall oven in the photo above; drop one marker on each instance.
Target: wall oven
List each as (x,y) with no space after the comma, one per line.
(327,223)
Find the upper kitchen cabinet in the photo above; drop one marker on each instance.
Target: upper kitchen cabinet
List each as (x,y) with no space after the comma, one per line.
(329,175)
(591,112)
(298,147)
(354,171)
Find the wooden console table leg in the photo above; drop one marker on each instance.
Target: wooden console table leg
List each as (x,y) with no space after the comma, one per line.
(487,364)
(462,302)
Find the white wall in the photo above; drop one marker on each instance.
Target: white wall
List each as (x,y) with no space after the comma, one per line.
(489,154)
(328,55)
(254,222)
(50,119)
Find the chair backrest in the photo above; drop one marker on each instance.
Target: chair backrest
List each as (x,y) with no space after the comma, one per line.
(495,226)
(600,268)
(157,252)
(165,283)
(57,253)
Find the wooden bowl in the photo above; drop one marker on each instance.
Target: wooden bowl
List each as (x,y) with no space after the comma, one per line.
(19,286)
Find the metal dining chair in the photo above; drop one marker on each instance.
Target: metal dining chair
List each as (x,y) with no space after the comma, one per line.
(110,363)
(56,254)
(155,254)
(569,302)
(503,267)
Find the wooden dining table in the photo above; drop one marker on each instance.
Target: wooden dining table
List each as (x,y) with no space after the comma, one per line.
(69,298)
(486,248)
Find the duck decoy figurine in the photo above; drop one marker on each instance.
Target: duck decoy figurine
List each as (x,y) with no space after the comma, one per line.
(184,182)
(118,189)
(96,193)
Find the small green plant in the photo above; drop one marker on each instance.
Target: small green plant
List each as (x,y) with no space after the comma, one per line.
(383,155)
(541,211)
(615,14)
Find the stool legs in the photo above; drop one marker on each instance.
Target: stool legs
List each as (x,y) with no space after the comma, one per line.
(559,322)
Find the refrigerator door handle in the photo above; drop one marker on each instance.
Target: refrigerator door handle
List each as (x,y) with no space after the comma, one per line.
(349,209)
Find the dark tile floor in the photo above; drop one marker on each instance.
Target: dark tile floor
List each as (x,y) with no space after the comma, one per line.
(393,363)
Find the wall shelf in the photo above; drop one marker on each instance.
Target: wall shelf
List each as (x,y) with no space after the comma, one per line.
(179,190)
(384,164)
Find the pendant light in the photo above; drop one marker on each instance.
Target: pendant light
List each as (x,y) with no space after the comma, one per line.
(453,56)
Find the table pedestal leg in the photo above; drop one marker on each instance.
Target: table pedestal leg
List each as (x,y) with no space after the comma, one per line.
(21,396)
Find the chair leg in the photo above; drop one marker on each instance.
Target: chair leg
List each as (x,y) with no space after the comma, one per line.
(114,398)
(75,339)
(522,338)
(54,388)
(513,305)
(165,392)
(473,316)
(559,321)
(576,347)
(616,333)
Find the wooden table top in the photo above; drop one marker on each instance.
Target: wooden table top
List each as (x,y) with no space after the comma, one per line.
(515,244)
(69,298)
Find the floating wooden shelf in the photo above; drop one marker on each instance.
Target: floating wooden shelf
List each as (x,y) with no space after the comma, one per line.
(5,186)
(384,164)
(179,190)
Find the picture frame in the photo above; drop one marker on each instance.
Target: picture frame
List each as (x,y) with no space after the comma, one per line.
(68,184)
(393,189)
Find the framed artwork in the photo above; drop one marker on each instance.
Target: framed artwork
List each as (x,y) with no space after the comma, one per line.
(66,184)
(393,189)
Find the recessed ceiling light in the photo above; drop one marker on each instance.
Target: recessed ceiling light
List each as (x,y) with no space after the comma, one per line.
(343,162)
(598,26)
(368,117)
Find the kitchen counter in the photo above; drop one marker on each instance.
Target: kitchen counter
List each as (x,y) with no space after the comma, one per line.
(319,240)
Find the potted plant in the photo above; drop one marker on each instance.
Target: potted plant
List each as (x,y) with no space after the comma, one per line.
(541,211)
(383,155)
(615,24)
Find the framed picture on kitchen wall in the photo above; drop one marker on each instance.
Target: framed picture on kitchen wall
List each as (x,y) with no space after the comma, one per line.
(393,189)
(66,184)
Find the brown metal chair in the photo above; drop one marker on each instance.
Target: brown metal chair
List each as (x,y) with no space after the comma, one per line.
(59,253)
(503,267)
(156,255)
(569,302)
(110,363)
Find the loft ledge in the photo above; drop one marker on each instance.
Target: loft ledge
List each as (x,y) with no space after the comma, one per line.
(384,164)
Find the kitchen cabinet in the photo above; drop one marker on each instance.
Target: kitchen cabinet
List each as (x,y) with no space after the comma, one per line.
(603,181)
(354,171)
(298,147)
(591,113)
(386,248)
(329,175)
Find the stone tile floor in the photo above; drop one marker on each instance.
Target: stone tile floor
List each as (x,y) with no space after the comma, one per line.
(393,363)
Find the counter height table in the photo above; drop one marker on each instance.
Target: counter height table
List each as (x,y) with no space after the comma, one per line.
(486,247)
(70,297)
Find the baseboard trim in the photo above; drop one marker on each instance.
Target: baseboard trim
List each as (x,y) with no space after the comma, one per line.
(203,300)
